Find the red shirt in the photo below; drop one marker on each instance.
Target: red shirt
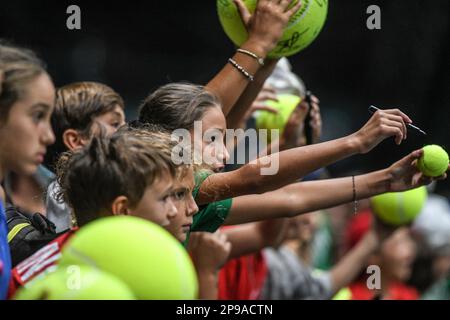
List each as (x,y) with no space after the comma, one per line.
(397,291)
(243,278)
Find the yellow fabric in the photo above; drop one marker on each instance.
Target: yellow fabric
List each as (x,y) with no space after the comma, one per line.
(14,231)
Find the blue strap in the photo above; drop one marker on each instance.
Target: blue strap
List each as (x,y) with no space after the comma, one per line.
(5,257)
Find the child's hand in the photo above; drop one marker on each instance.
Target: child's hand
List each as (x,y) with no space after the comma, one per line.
(405,175)
(267,23)
(316,120)
(267,93)
(209,251)
(382,124)
(294,130)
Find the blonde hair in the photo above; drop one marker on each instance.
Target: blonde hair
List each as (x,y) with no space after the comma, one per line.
(124,164)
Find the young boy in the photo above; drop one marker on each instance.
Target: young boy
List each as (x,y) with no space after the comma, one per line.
(82,110)
(130,173)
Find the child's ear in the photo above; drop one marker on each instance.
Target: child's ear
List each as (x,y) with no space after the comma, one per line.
(73,139)
(120,206)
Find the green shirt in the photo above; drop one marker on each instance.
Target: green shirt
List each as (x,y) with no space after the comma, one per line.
(211,216)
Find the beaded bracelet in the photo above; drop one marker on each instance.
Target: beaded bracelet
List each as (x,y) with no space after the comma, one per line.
(253,55)
(241,69)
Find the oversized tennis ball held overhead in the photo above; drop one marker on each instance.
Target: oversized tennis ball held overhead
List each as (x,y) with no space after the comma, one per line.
(399,208)
(434,161)
(302,29)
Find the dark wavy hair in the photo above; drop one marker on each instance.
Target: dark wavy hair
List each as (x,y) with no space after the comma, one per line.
(177,106)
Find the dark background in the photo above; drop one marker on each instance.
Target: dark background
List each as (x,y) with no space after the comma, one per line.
(136,46)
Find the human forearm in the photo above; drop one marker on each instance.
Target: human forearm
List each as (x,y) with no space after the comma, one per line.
(279,169)
(208,287)
(230,83)
(303,197)
(276,170)
(250,238)
(261,175)
(350,266)
(265,28)
(242,105)
(322,194)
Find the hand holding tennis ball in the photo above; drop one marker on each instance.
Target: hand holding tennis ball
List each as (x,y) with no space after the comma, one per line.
(281,27)
(405,175)
(434,161)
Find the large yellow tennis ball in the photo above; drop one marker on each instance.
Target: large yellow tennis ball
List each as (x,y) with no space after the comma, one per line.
(149,260)
(302,29)
(434,161)
(285,105)
(398,208)
(76,283)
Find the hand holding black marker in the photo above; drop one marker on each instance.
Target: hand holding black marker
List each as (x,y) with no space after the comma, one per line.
(373,109)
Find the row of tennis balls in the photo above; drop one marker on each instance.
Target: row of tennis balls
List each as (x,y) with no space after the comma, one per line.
(118,258)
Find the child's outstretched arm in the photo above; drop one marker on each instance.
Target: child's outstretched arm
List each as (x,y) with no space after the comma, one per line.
(265,28)
(310,196)
(298,162)
(238,112)
(252,237)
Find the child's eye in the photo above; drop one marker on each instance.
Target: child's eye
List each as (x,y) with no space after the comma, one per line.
(38,116)
(115,125)
(179,195)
